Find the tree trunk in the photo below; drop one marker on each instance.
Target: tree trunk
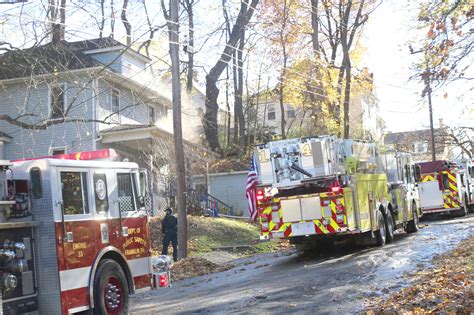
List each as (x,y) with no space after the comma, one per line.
(235,136)
(173,28)
(282,105)
(190,70)
(112,19)
(347,97)
(212,92)
(239,94)
(57,27)
(315,27)
(126,23)
(102,21)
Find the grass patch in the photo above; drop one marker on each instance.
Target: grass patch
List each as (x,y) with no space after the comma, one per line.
(206,233)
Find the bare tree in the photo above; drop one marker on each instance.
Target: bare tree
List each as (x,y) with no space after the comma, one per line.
(57,11)
(126,23)
(188,6)
(212,91)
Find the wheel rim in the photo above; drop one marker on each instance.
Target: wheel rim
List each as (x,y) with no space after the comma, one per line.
(113,296)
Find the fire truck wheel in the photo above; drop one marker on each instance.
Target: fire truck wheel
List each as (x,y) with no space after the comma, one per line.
(413,225)
(464,211)
(390,227)
(380,234)
(110,289)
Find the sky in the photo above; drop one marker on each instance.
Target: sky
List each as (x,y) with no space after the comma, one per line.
(386,37)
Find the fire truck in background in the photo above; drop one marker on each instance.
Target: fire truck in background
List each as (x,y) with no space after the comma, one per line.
(74,235)
(312,190)
(468,166)
(444,187)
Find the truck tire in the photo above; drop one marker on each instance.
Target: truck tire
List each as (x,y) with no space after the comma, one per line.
(390,226)
(110,289)
(381,234)
(464,211)
(413,225)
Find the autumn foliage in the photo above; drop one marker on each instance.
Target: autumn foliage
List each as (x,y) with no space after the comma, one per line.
(447,288)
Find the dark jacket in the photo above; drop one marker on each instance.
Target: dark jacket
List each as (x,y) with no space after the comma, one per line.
(169,225)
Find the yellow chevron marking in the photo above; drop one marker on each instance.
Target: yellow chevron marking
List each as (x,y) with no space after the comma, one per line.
(284,227)
(332,205)
(341,201)
(428,178)
(268,210)
(450,176)
(321,226)
(271,225)
(452,187)
(334,225)
(447,202)
(323,195)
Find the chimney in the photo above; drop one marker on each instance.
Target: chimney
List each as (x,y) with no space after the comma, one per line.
(441,124)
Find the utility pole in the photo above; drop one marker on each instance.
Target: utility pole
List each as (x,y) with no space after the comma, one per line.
(430,107)
(173,28)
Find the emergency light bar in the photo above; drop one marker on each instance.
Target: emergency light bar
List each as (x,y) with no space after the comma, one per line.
(104,154)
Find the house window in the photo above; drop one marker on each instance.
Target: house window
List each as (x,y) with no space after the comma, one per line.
(271,115)
(57,101)
(162,111)
(115,106)
(151,115)
(290,113)
(420,147)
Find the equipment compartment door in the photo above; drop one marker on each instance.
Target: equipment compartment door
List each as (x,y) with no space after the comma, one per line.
(430,195)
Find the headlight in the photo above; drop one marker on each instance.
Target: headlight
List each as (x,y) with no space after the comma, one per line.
(160,263)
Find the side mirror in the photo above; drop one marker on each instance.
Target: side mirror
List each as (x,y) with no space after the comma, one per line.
(141,201)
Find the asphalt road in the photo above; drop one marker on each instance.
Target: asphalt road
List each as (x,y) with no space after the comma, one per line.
(292,283)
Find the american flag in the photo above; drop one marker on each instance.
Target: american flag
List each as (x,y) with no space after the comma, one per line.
(250,189)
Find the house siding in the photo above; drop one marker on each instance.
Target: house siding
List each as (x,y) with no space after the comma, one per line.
(28,98)
(110,59)
(132,109)
(229,188)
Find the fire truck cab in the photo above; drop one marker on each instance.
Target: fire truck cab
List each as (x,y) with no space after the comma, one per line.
(468,166)
(443,188)
(81,231)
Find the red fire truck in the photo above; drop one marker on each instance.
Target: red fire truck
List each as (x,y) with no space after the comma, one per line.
(443,188)
(74,235)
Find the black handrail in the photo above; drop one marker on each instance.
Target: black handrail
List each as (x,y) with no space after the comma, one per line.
(208,203)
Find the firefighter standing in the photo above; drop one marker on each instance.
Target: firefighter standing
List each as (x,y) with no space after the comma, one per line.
(169,227)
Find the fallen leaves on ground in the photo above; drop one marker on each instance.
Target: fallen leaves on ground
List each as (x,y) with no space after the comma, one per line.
(195,266)
(446,288)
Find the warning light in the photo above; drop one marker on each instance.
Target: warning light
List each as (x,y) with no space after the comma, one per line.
(163,280)
(104,154)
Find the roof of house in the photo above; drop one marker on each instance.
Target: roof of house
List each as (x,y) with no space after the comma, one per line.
(53,57)
(96,43)
(409,137)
